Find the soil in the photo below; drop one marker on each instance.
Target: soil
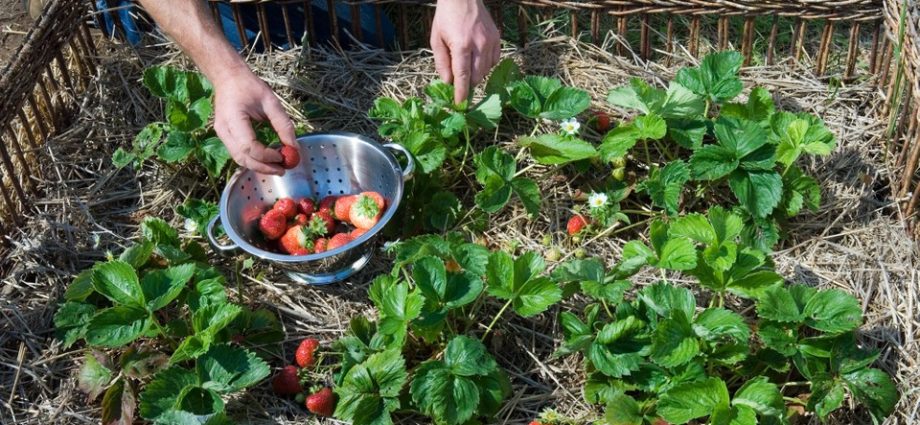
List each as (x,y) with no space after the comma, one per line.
(14,24)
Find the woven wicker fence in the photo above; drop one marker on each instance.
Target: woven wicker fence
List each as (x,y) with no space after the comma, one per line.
(39,89)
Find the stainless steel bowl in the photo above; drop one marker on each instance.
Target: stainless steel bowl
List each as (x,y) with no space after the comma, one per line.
(330,164)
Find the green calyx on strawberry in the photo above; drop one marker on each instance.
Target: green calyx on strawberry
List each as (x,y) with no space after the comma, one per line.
(298,240)
(365,212)
(318,226)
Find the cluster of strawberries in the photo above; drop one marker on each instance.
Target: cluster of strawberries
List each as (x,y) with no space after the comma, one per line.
(303,228)
(290,381)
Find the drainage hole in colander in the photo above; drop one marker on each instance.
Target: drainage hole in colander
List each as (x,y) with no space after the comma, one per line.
(249,179)
(312,159)
(329,192)
(341,192)
(338,169)
(269,191)
(340,180)
(316,182)
(247,198)
(328,181)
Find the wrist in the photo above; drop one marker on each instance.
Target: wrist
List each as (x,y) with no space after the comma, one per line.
(231,68)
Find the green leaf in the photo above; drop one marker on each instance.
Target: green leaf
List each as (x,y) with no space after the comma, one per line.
(122,158)
(71,320)
(213,155)
(687,133)
(875,390)
(135,255)
(827,396)
(212,318)
(717,323)
(158,231)
(117,281)
(675,102)
(200,402)
(465,356)
(674,342)
(623,410)
(428,153)
(692,400)
(801,135)
(677,254)
(227,369)
(529,194)
(716,78)
(487,113)
(93,377)
(620,140)
(163,392)
(754,284)
(758,191)
(762,396)
(397,304)
(565,103)
(524,99)
(441,93)
(554,149)
(369,390)
(833,311)
(503,74)
(453,125)
(448,398)
(759,107)
(178,147)
(517,280)
(712,162)
(779,337)
(665,299)
(117,326)
(162,286)
(620,347)
(777,304)
(664,185)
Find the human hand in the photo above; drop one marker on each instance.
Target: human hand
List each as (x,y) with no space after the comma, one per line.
(239,98)
(465,42)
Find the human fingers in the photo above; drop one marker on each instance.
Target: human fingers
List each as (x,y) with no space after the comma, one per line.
(442,61)
(253,154)
(461,66)
(279,120)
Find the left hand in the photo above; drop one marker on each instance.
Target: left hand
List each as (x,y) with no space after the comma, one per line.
(465,42)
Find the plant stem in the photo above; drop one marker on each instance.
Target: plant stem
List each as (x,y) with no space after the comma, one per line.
(794,400)
(494,320)
(706,110)
(156,324)
(607,308)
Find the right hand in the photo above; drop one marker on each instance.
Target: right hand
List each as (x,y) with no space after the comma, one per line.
(239,99)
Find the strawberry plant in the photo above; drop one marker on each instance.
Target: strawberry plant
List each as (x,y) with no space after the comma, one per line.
(185,134)
(160,330)
(749,147)
(662,356)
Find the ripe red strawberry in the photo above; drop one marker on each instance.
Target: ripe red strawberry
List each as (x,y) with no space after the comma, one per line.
(304,353)
(286,206)
(301,219)
(326,203)
(342,207)
(322,402)
(287,382)
(535,423)
(298,240)
(365,212)
(273,224)
(326,217)
(378,199)
(319,245)
(356,233)
(306,206)
(602,122)
(290,156)
(576,224)
(338,240)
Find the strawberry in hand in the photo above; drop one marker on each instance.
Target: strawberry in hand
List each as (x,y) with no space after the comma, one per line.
(290,157)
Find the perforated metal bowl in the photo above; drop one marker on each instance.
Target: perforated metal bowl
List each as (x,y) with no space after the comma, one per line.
(330,164)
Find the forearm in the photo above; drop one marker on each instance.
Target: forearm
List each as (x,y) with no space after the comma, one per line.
(193,28)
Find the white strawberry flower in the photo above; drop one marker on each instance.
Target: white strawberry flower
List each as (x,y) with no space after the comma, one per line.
(570,126)
(597,200)
(191,226)
(388,244)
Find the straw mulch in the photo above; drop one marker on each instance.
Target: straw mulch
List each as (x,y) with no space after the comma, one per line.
(854,243)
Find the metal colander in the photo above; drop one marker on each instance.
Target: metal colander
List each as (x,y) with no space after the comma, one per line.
(330,164)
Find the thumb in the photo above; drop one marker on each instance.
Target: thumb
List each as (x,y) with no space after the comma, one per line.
(280,121)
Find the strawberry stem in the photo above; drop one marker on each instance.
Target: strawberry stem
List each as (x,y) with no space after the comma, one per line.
(495,319)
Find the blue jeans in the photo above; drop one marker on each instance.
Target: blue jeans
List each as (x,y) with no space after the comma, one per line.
(123,11)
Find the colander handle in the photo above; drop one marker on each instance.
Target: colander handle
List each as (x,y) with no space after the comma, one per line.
(217,246)
(410,163)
